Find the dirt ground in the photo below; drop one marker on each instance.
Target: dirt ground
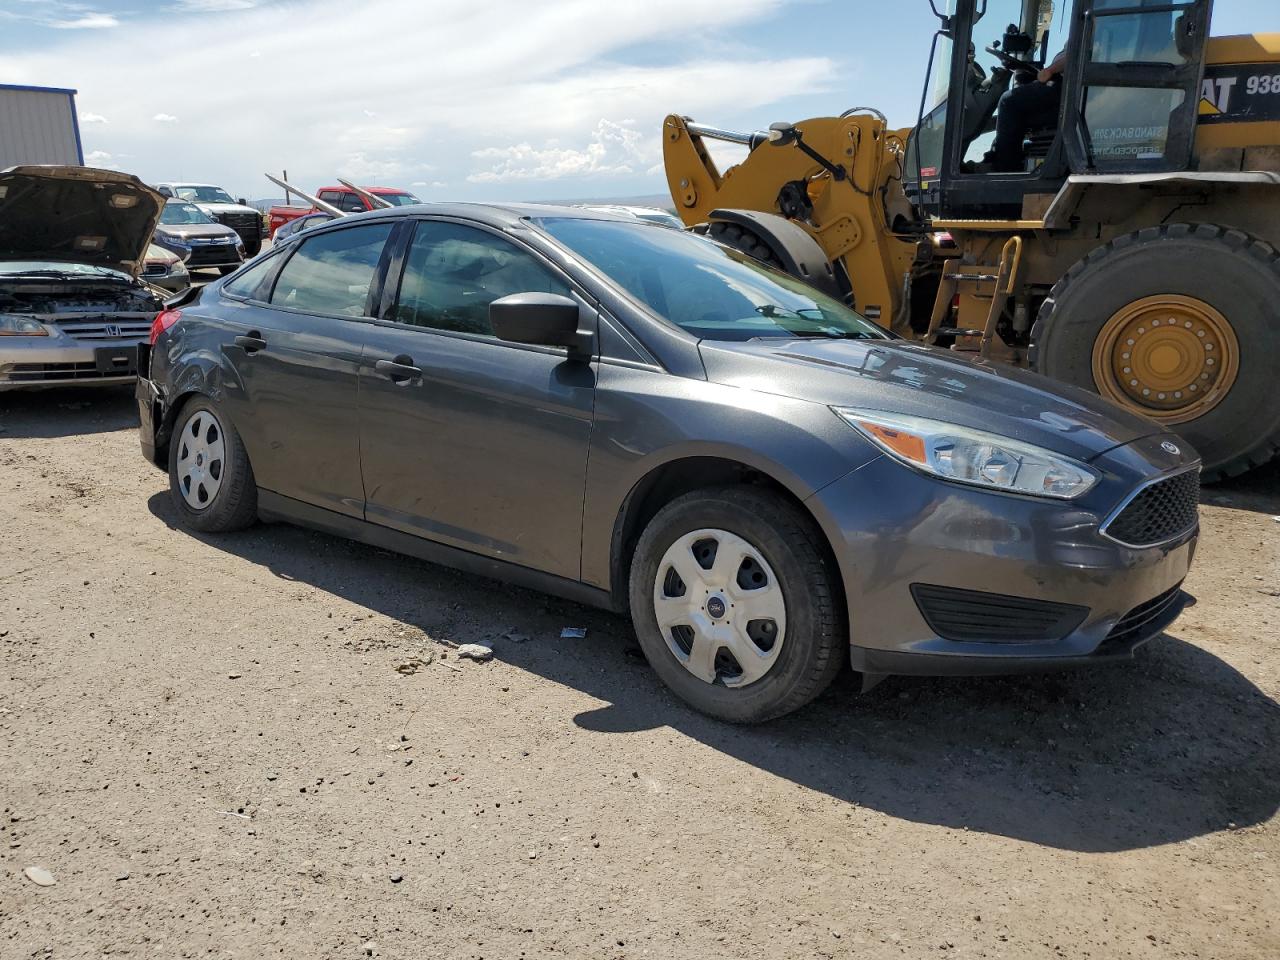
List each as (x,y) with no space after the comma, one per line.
(207,743)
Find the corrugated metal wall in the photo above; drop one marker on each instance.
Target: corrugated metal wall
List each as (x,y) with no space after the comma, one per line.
(37,126)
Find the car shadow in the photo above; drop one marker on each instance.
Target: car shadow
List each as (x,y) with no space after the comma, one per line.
(1258,490)
(1172,746)
(66,411)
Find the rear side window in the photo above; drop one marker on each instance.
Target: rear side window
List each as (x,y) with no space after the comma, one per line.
(333,271)
(453,272)
(249,283)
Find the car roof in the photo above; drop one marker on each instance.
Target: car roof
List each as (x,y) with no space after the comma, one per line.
(384,190)
(493,214)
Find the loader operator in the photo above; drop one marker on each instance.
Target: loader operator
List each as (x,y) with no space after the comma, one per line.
(1025,107)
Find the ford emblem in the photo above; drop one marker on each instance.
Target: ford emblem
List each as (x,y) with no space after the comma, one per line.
(1171,448)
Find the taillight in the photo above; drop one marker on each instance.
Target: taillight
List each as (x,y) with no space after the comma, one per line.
(163,321)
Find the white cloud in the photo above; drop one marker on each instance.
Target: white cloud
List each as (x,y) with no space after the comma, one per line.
(541,83)
(615,149)
(93,118)
(214,6)
(98,158)
(89,21)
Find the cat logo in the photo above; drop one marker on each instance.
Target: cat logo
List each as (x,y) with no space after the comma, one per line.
(1215,96)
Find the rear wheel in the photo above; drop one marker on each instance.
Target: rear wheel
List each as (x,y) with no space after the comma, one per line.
(210,480)
(1173,322)
(735,606)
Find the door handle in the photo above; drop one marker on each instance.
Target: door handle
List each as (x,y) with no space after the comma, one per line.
(252,342)
(400,370)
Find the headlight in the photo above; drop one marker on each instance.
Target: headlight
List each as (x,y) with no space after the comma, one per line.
(14,326)
(972,456)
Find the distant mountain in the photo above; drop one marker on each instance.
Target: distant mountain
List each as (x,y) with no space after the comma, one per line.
(660,200)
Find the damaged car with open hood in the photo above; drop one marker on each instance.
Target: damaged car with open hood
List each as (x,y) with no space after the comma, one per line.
(73,242)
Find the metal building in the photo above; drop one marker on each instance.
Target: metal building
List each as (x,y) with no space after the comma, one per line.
(38,125)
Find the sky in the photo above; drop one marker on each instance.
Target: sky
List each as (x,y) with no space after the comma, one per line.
(462,99)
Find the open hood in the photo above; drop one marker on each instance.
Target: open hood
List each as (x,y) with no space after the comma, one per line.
(77,215)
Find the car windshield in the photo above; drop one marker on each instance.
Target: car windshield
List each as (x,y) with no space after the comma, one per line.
(177,213)
(709,290)
(399,199)
(204,194)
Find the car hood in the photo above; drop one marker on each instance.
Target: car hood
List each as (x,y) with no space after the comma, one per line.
(897,376)
(76,215)
(186,230)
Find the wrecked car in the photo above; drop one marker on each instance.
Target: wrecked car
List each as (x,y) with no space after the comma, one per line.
(165,269)
(73,241)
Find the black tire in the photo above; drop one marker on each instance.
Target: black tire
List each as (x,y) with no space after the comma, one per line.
(1228,269)
(252,248)
(226,271)
(739,238)
(234,504)
(815,639)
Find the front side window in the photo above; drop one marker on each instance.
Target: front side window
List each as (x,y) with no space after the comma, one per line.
(453,272)
(399,199)
(350,203)
(709,290)
(332,272)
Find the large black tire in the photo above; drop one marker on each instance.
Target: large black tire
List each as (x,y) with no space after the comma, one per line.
(1227,269)
(814,641)
(233,503)
(739,238)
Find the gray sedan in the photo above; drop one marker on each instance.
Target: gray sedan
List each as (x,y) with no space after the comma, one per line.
(641,419)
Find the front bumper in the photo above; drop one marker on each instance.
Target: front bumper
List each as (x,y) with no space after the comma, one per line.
(28,363)
(893,527)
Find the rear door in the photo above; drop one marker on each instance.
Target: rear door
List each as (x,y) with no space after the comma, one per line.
(466,439)
(1133,88)
(297,360)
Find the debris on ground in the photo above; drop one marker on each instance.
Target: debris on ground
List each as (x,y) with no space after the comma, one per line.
(573,633)
(475,651)
(516,637)
(412,665)
(40,876)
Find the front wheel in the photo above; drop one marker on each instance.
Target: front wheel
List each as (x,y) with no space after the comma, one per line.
(735,606)
(1176,323)
(210,479)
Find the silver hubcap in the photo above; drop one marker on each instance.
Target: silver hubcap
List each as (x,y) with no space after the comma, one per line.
(200,459)
(720,608)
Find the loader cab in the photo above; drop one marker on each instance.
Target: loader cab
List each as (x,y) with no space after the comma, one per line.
(993,142)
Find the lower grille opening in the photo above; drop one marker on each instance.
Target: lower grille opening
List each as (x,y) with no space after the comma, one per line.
(38,372)
(1142,622)
(974,615)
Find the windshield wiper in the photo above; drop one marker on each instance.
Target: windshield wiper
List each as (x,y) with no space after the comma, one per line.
(100,273)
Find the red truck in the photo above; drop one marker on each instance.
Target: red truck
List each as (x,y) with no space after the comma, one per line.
(344,198)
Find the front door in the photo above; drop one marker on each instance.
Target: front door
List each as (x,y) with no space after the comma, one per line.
(466,439)
(297,356)
(1134,85)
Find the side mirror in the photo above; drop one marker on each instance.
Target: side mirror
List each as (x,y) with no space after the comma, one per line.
(782,134)
(165,192)
(243,202)
(543,318)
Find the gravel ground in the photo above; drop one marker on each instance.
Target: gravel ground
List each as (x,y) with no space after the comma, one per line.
(207,743)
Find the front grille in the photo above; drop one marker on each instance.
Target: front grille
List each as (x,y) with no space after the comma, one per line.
(38,372)
(213,254)
(1144,621)
(1161,511)
(248,225)
(107,328)
(974,615)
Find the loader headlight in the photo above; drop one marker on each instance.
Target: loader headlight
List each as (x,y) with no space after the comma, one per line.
(15,326)
(971,456)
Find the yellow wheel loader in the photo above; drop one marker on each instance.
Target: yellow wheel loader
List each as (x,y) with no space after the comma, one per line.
(1091,191)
